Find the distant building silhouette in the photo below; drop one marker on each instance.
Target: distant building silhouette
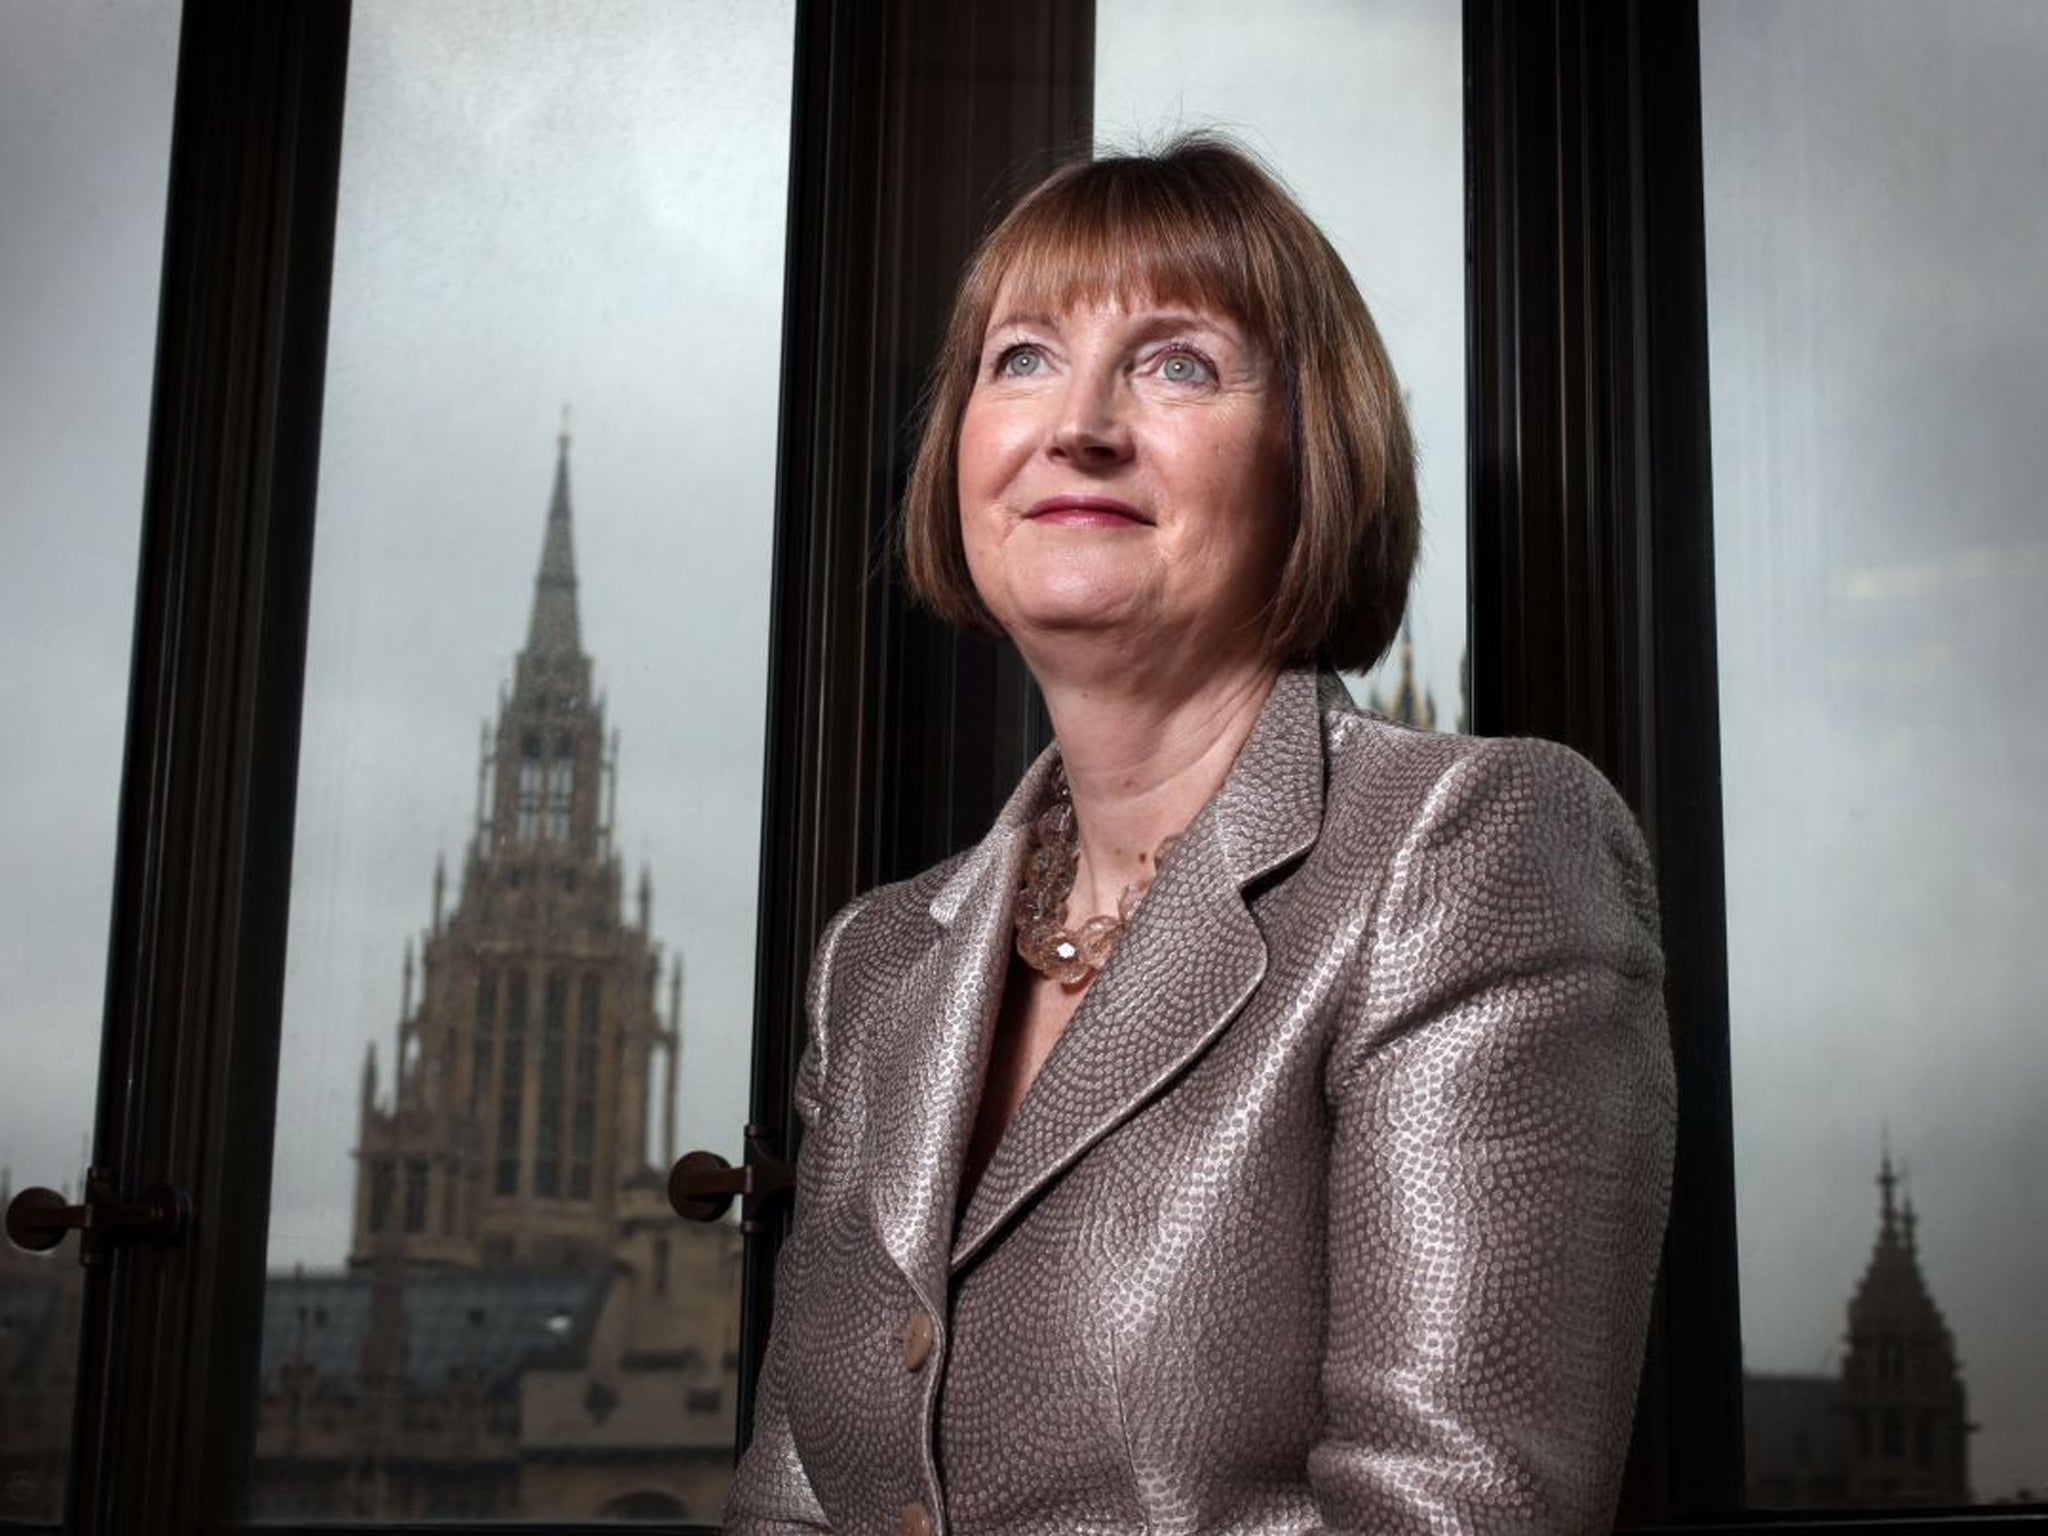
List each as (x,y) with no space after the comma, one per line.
(518,1113)
(524,1328)
(1893,1427)
(40,1296)
(1902,1387)
(1412,704)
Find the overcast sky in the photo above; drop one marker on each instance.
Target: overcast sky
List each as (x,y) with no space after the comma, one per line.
(539,209)
(1877,217)
(85,113)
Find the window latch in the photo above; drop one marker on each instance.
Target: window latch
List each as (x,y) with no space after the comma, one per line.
(37,1219)
(701,1186)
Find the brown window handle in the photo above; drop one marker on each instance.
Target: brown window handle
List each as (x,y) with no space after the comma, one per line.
(37,1219)
(701,1186)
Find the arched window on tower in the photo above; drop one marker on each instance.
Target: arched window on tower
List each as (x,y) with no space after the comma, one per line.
(1890,1360)
(561,787)
(529,788)
(415,1196)
(480,1047)
(383,1183)
(583,1134)
(512,1085)
(547,1164)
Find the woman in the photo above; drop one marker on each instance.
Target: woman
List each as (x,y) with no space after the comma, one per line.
(1266,1127)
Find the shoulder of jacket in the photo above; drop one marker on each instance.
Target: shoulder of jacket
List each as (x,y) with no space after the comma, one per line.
(1365,749)
(884,909)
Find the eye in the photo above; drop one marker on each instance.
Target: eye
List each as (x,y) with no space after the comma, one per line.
(1182,366)
(1022,360)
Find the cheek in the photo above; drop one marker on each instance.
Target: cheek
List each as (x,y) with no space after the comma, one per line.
(970,449)
(986,451)
(1249,539)
(1250,482)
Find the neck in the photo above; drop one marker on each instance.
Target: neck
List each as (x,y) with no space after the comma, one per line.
(1142,756)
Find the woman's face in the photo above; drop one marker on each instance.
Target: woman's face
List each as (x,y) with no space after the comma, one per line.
(1123,472)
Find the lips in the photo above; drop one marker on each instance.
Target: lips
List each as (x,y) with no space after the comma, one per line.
(1087,511)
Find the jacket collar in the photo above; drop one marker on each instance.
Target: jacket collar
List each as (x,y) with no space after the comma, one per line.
(1185,967)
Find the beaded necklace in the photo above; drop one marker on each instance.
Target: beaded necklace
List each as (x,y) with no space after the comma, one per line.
(1068,955)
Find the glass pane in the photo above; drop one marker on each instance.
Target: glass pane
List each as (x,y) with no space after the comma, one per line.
(1876,178)
(1360,109)
(480,1303)
(85,134)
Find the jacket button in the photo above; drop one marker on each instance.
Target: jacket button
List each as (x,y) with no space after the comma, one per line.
(917,1348)
(916,1521)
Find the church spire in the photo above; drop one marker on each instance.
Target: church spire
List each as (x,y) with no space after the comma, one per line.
(1411,704)
(1902,1386)
(1888,1211)
(553,630)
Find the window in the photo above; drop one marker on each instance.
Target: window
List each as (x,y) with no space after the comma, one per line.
(558,240)
(512,1088)
(583,1134)
(529,789)
(486,1025)
(890,741)
(415,1196)
(82,182)
(547,1156)
(1874,181)
(561,788)
(383,1185)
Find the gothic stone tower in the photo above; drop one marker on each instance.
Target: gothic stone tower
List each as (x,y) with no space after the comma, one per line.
(519,1112)
(1901,1386)
(1411,705)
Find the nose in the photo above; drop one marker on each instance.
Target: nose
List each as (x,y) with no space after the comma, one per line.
(1091,429)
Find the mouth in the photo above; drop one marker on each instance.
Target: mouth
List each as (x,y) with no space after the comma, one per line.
(1087,512)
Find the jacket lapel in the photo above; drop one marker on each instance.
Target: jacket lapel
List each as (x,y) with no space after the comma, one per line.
(1191,958)
(938,1017)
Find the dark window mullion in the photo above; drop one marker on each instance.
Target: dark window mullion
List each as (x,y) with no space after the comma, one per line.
(168,1378)
(1592,575)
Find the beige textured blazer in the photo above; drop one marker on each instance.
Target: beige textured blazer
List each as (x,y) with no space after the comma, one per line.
(1335,1208)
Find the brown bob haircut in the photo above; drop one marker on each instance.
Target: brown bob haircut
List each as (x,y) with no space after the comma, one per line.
(1202,223)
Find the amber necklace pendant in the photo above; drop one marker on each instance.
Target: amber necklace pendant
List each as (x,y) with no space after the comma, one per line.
(1069,956)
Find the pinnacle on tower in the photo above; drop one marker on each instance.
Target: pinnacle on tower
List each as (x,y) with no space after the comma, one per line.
(1888,1182)
(553,630)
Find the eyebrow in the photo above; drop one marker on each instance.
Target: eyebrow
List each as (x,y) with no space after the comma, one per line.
(1024,318)
(1171,319)
(1151,323)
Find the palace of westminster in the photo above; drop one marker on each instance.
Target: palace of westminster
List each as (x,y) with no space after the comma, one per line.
(525,1329)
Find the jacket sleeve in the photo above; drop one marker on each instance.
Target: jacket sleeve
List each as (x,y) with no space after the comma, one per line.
(1503,1113)
(771,1493)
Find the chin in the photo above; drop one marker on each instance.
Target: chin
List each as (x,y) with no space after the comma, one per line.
(1067,606)
(1074,590)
